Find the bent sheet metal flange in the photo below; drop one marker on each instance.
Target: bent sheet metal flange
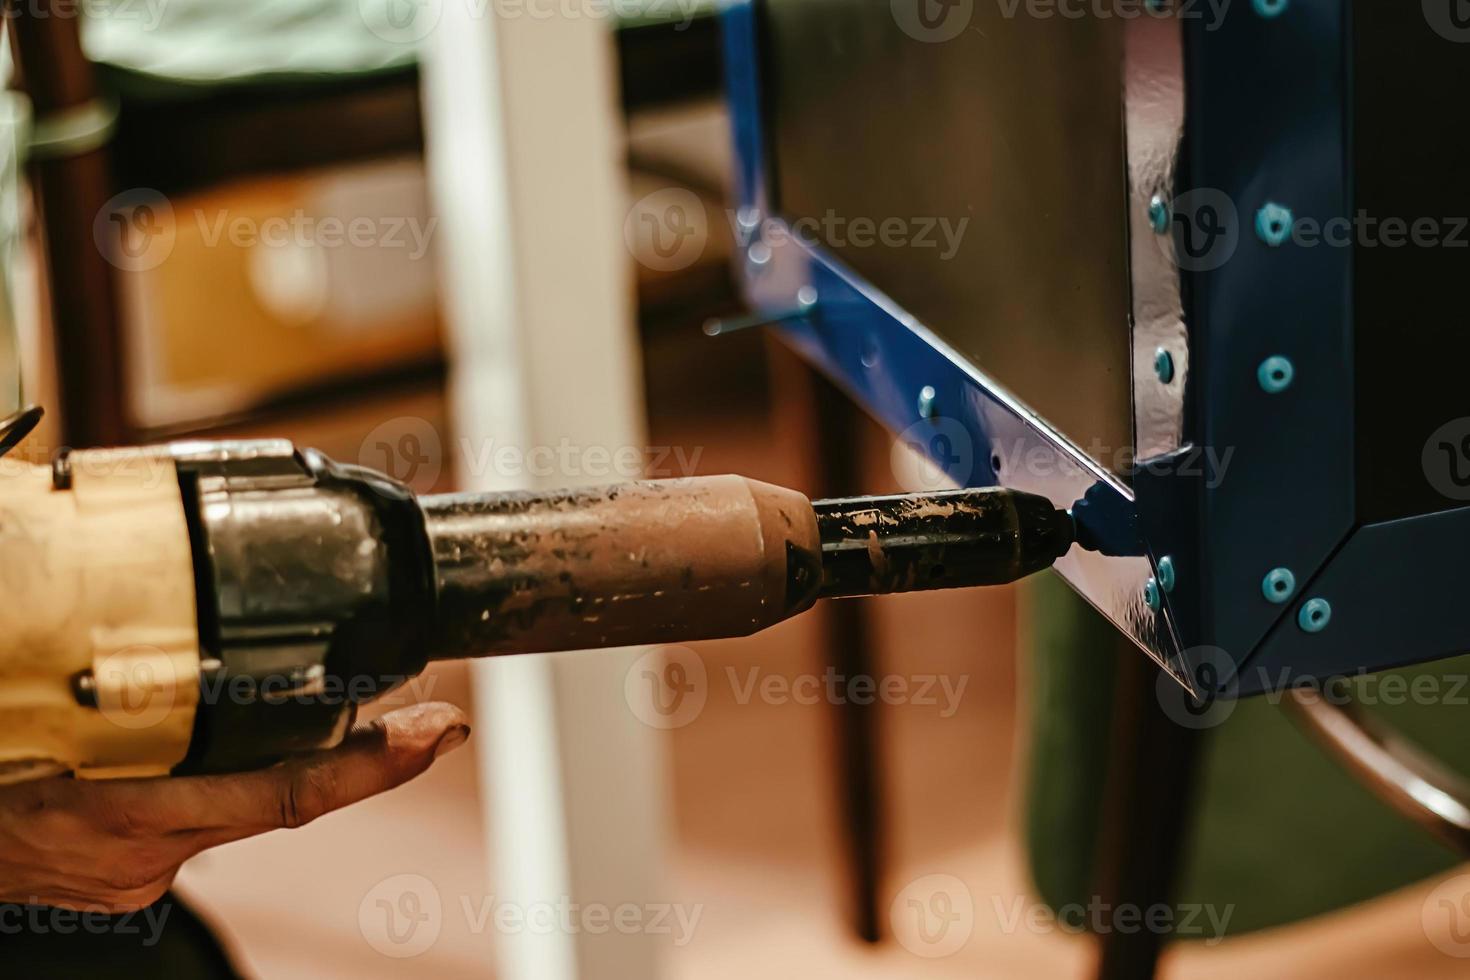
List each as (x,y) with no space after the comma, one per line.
(883,357)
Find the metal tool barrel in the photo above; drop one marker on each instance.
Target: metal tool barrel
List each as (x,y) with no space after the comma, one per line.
(707,558)
(947,540)
(658,562)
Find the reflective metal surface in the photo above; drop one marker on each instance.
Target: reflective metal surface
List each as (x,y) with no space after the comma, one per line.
(1396,770)
(967,422)
(1154,101)
(885,358)
(1266,121)
(1305,115)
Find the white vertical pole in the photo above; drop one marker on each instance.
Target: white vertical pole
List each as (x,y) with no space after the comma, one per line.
(525,159)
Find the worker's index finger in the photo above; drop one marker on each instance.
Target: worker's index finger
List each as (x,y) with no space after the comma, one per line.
(375,757)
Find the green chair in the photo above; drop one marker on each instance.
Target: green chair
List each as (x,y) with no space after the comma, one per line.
(1237,801)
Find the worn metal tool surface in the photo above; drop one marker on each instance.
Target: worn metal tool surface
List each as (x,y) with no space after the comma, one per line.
(915,543)
(707,558)
(209,607)
(620,565)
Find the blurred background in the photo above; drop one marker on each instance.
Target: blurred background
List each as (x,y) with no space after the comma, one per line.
(473,244)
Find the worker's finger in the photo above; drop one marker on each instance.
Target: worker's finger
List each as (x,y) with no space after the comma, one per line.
(375,757)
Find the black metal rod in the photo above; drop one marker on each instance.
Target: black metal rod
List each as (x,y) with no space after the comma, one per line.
(952,539)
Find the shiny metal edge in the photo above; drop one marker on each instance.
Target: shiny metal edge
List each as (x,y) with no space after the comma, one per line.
(884,357)
(1154,114)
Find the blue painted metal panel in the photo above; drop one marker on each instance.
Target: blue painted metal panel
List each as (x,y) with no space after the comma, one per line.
(1266,127)
(1264,479)
(1397,593)
(885,358)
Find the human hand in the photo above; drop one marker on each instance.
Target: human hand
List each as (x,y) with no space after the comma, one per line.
(115,845)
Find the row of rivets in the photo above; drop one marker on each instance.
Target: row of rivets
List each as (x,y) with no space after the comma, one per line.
(1274,225)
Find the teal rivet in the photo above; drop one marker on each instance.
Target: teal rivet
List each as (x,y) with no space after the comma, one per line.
(1276,374)
(1164,365)
(1158,214)
(1274,224)
(927,397)
(1151,594)
(1315,615)
(1270,8)
(1166,573)
(1278,585)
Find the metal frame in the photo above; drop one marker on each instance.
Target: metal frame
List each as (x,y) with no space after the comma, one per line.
(885,359)
(1268,120)
(1272,134)
(1397,770)
(1255,108)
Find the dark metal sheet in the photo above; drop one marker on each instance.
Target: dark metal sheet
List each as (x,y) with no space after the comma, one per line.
(1001,133)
